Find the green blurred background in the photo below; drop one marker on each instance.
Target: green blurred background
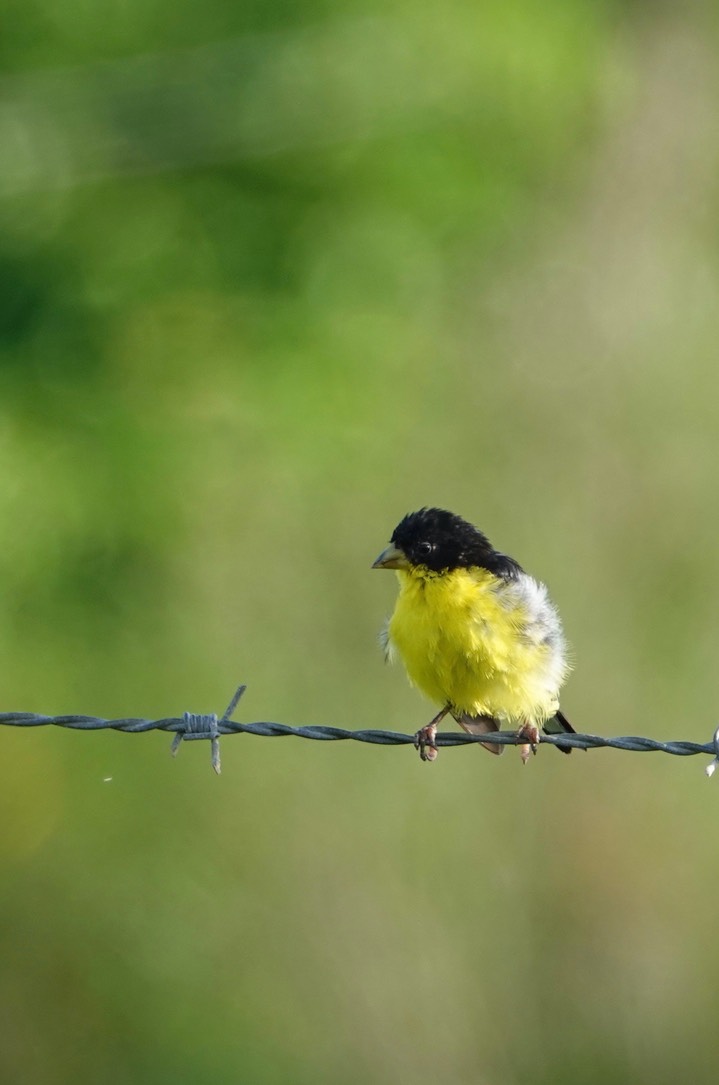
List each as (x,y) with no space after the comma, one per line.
(272,276)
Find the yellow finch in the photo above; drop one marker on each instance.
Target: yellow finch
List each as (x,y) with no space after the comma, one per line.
(475,632)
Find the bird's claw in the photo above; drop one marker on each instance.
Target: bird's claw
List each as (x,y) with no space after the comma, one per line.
(424,741)
(528,731)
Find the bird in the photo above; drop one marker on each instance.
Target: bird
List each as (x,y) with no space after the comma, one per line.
(476,633)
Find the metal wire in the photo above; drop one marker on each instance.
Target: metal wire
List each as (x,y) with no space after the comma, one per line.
(207,726)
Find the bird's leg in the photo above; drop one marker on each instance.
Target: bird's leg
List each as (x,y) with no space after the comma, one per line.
(424,739)
(530,731)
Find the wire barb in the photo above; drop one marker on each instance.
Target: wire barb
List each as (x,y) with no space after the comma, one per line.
(711,769)
(199,725)
(207,726)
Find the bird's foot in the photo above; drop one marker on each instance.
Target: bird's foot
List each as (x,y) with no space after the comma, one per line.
(424,740)
(529,731)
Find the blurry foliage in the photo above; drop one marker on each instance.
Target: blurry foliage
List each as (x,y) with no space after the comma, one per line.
(271,276)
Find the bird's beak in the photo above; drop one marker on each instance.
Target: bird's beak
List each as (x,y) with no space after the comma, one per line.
(391,558)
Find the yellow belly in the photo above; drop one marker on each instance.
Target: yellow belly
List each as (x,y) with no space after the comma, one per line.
(461,645)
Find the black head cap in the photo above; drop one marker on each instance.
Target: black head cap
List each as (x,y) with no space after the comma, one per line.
(441,541)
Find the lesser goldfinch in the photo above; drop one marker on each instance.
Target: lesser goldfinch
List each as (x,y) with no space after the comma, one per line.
(475,632)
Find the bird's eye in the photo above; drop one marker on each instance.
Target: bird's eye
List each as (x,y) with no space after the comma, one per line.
(425,549)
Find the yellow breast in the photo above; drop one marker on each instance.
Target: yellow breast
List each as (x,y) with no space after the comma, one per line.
(462,639)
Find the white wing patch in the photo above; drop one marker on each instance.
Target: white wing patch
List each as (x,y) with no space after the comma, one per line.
(541,627)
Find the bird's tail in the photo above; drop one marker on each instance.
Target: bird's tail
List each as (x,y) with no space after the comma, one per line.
(480,725)
(558,724)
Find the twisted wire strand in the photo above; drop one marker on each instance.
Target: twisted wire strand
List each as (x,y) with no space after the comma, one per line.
(208,726)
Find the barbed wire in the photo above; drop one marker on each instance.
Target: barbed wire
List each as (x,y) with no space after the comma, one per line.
(208,726)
